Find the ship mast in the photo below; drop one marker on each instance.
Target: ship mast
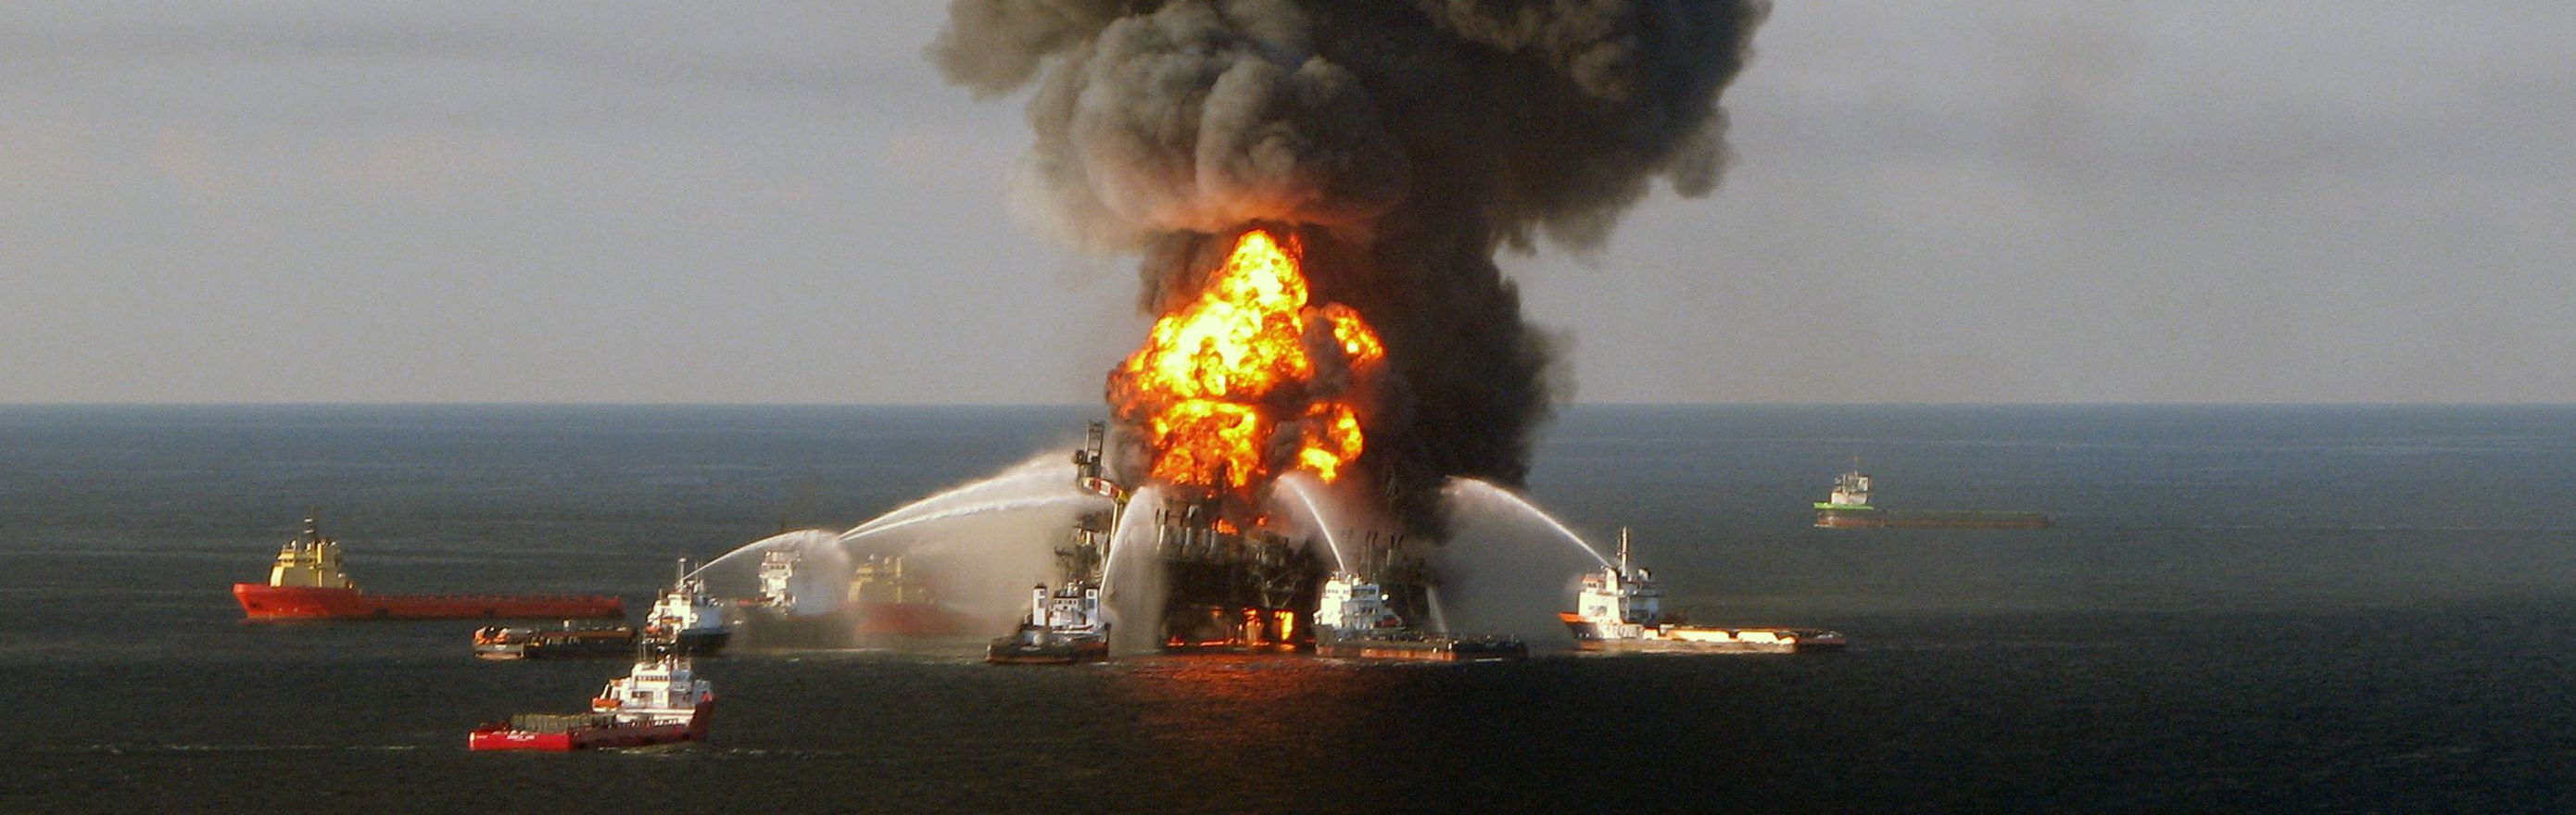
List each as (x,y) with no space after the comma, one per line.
(1623,552)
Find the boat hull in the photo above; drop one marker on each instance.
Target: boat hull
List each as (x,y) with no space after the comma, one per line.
(573,644)
(263,602)
(591,737)
(1049,649)
(881,620)
(704,642)
(1424,649)
(1884,519)
(1696,639)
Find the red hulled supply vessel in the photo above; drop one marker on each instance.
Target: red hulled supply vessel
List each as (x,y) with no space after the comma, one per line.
(659,701)
(307,583)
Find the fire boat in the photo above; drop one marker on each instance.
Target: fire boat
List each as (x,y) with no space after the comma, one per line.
(1364,617)
(1065,624)
(1621,608)
(883,602)
(1064,627)
(307,582)
(686,620)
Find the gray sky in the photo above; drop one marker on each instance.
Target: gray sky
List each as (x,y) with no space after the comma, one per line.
(780,202)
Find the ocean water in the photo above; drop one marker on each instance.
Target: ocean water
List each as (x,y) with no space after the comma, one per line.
(2241,608)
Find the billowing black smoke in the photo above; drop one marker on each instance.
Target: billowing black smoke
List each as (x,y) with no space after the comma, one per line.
(1402,141)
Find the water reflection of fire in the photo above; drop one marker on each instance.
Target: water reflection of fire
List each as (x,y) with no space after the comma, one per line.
(1249,380)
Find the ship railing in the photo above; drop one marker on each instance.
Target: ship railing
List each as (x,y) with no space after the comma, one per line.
(559,722)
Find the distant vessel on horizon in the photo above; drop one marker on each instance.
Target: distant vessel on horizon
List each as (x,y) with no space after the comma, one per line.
(307,583)
(1848,507)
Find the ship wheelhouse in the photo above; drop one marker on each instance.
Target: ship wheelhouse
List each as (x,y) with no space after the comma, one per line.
(311,560)
(1621,595)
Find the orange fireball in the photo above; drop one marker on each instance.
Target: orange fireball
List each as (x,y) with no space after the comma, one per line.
(1217,376)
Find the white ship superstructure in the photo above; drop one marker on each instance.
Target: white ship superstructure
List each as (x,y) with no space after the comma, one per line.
(1349,606)
(686,620)
(660,690)
(777,576)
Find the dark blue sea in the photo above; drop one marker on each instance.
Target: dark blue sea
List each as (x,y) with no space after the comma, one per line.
(2241,608)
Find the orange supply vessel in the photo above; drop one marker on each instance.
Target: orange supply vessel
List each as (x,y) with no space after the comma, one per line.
(307,583)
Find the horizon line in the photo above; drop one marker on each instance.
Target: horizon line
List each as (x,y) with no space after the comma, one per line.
(1583,403)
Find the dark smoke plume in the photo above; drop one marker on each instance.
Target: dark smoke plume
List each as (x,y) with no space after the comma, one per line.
(1402,142)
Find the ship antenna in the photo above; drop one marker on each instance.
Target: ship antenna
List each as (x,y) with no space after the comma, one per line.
(1623,552)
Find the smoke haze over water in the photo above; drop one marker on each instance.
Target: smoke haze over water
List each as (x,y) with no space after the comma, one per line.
(1401,144)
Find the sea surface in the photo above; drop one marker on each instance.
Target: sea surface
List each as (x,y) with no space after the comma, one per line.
(2241,608)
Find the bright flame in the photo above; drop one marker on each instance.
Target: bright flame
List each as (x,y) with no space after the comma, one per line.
(1218,376)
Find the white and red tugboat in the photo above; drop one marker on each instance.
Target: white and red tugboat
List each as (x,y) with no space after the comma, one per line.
(1622,609)
(1065,624)
(660,701)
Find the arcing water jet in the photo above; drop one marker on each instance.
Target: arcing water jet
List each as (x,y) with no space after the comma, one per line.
(1300,485)
(1478,489)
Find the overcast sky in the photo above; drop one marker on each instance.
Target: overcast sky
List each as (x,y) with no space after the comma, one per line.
(780,202)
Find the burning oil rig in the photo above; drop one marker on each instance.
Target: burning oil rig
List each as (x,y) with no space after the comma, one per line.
(1215,585)
(1231,392)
